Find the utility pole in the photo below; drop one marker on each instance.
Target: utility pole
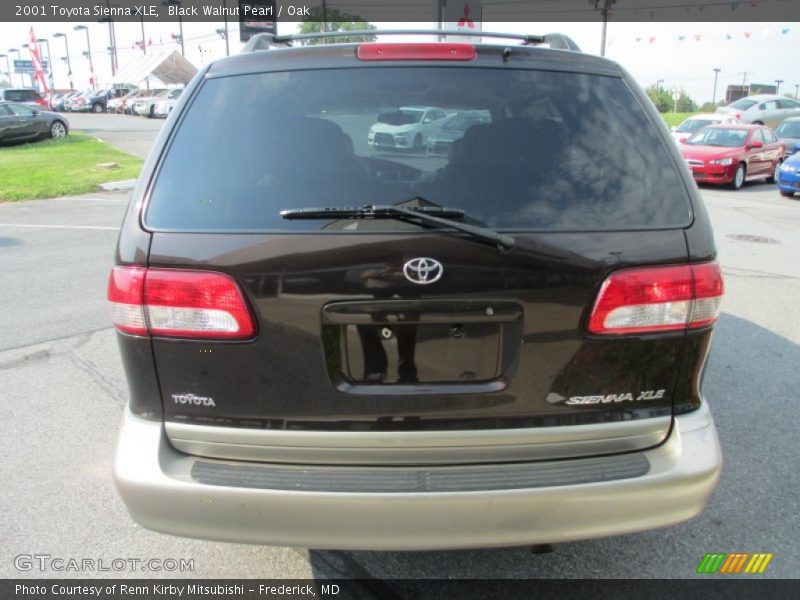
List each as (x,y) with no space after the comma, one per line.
(778,86)
(66,58)
(49,59)
(714,97)
(225,11)
(88,53)
(796,89)
(606,6)
(180,20)
(744,79)
(658,85)
(8,67)
(21,78)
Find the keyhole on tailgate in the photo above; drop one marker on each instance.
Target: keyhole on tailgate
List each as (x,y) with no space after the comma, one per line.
(457,331)
(386,333)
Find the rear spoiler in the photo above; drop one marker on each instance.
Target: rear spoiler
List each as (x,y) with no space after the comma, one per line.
(265,41)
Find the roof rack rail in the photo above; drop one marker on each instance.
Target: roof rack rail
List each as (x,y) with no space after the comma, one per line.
(265,41)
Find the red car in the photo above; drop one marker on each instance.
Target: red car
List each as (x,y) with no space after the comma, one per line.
(733,154)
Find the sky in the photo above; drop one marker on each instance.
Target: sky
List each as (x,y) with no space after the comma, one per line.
(649,51)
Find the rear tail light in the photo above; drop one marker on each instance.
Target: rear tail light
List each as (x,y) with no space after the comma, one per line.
(426,51)
(656,299)
(41,101)
(175,303)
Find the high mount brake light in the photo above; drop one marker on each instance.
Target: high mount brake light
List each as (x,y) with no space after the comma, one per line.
(427,51)
(176,303)
(656,299)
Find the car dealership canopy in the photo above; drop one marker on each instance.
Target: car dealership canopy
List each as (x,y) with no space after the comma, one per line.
(170,68)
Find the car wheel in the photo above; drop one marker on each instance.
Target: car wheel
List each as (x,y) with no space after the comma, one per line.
(738,177)
(97,107)
(776,171)
(152,113)
(417,142)
(58,130)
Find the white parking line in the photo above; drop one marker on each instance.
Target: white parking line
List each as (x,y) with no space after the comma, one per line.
(100,227)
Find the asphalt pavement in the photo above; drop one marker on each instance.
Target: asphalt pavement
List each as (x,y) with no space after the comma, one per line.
(132,134)
(62,393)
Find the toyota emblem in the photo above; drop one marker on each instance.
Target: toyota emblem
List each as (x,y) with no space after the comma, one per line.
(423,271)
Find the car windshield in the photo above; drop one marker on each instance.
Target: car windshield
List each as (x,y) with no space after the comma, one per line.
(788,129)
(692,125)
(718,136)
(743,104)
(552,152)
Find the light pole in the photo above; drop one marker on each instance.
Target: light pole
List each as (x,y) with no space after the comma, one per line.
(30,75)
(796,89)
(227,44)
(180,20)
(658,85)
(88,53)
(778,86)
(224,35)
(716,74)
(49,60)
(604,9)
(8,66)
(66,58)
(21,79)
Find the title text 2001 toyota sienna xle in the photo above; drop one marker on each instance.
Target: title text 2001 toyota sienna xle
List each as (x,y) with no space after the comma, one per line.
(337,345)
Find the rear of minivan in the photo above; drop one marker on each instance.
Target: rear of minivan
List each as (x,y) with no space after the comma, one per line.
(335,345)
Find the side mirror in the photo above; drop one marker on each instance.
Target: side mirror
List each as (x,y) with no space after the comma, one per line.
(756,144)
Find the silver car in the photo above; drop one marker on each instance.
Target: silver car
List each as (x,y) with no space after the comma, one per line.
(788,132)
(762,109)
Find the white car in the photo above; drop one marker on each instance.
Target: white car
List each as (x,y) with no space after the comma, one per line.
(406,128)
(143,105)
(163,107)
(696,122)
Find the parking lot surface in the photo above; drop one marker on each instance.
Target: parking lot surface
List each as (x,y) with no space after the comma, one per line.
(133,135)
(63,393)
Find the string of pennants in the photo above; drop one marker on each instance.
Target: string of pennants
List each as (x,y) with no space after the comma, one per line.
(698,38)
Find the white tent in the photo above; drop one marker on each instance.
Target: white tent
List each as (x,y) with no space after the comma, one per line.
(170,68)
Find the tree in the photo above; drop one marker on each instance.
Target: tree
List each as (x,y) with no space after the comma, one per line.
(661,98)
(336,21)
(685,103)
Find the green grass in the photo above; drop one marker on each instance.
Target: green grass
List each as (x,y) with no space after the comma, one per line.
(673,119)
(62,167)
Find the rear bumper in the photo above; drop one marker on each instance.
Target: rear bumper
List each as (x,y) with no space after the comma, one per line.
(163,492)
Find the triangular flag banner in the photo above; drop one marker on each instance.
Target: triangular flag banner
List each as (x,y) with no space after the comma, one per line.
(681,38)
(784,31)
(698,36)
(728,36)
(747,34)
(652,39)
(638,39)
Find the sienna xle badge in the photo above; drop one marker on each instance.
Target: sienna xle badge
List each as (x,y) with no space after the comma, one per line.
(347,322)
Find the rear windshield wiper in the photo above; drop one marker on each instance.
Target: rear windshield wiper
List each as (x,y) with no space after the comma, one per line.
(434,215)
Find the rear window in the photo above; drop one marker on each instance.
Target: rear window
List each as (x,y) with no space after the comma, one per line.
(21,95)
(515,149)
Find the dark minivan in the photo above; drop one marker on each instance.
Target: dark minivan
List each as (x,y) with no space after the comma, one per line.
(337,345)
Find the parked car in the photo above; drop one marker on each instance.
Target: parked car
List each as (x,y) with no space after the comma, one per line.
(697,122)
(789,176)
(143,106)
(789,133)
(98,101)
(762,109)
(406,128)
(164,106)
(441,141)
(23,96)
(59,100)
(20,122)
(124,104)
(78,102)
(331,347)
(733,154)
